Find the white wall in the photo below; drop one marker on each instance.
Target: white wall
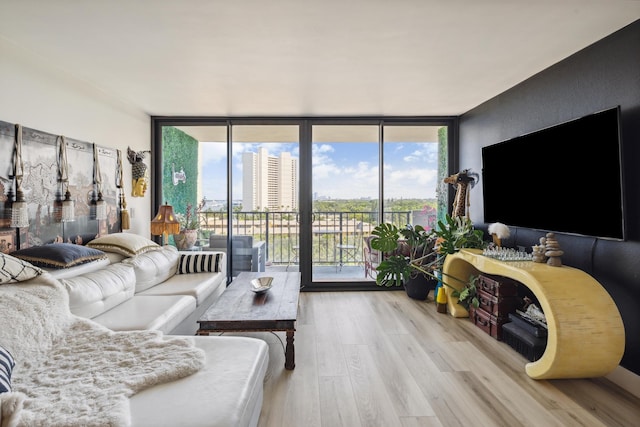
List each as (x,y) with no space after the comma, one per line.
(42,96)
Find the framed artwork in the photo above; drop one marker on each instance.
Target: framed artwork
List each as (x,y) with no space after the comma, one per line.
(44,190)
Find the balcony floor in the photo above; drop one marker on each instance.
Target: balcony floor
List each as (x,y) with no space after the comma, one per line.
(327,272)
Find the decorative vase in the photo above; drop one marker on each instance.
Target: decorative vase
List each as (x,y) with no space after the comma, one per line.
(185,239)
(419,287)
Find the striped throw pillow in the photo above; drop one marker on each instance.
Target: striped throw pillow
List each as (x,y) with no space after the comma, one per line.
(6,366)
(199,263)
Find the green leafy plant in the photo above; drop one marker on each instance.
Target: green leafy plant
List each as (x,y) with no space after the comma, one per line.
(456,233)
(468,295)
(411,251)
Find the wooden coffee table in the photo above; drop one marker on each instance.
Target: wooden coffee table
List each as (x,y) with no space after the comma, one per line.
(241,310)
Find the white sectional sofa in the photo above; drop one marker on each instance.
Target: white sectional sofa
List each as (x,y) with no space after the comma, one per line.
(164,290)
(146,291)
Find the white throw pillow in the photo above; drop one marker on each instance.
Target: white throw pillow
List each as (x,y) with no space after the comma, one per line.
(124,243)
(14,270)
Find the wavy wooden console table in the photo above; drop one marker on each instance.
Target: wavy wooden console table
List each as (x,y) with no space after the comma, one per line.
(586,334)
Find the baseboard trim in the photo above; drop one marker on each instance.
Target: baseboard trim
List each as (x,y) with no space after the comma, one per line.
(626,379)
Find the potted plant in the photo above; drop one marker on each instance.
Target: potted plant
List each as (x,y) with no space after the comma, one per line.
(189,226)
(414,254)
(409,257)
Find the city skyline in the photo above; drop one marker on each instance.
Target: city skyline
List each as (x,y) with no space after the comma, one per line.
(269,181)
(340,170)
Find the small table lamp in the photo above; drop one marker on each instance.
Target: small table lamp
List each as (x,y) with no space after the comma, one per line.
(165,223)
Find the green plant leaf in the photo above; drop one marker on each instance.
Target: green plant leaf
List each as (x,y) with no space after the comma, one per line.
(393,271)
(385,237)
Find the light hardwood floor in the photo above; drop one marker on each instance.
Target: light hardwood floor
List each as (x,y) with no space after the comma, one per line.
(381,359)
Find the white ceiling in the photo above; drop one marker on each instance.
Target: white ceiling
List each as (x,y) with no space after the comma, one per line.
(306,57)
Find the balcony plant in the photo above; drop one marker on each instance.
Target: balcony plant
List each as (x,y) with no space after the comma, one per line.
(413,254)
(189,227)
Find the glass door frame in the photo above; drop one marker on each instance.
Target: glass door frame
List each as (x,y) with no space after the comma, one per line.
(305,196)
(306,180)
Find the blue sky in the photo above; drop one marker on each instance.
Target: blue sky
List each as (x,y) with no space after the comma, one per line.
(340,170)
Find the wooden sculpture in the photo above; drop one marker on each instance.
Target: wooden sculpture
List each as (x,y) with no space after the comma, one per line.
(462,180)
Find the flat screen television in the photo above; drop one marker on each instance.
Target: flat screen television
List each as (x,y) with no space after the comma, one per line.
(566,178)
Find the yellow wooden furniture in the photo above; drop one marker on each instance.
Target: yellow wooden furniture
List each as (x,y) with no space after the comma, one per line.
(585,330)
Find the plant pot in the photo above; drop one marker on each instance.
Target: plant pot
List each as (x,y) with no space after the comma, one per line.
(186,239)
(419,287)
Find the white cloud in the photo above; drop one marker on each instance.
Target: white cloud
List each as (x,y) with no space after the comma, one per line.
(411,183)
(212,152)
(322,148)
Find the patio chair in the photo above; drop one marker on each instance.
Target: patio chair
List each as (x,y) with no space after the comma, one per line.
(349,251)
(245,254)
(371,258)
(294,256)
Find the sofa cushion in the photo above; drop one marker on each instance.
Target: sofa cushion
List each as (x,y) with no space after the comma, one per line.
(16,270)
(94,293)
(6,367)
(115,257)
(160,313)
(198,285)
(230,388)
(59,255)
(123,243)
(200,263)
(77,270)
(154,267)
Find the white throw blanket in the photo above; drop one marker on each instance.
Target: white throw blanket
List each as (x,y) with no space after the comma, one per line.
(72,371)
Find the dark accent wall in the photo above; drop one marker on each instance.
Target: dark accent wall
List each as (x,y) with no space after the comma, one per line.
(598,77)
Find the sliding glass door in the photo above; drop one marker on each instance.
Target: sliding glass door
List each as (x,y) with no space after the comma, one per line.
(301,194)
(345,183)
(354,167)
(413,173)
(265,232)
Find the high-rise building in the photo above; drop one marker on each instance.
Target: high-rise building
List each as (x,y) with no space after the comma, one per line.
(269,182)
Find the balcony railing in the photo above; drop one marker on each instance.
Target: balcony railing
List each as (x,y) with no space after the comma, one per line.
(281,232)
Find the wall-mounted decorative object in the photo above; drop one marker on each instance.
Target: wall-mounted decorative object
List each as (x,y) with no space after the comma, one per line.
(45,181)
(68,205)
(124,213)
(178,177)
(108,158)
(139,172)
(98,205)
(19,210)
